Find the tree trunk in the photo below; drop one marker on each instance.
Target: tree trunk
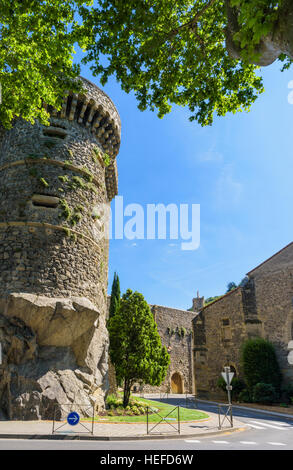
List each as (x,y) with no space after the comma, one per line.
(126,395)
(278,41)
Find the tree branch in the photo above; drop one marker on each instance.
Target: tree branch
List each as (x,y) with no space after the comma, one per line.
(192,23)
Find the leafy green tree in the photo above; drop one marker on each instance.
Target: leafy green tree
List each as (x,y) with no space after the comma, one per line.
(211,299)
(115,295)
(195,53)
(231,286)
(202,54)
(259,364)
(36,62)
(135,344)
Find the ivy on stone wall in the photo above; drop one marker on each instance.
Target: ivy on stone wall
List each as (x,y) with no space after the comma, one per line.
(101,157)
(180,330)
(73,216)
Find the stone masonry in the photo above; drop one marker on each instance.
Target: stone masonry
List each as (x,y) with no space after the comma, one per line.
(261,307)
(207,337)
(175,329)
(56,184)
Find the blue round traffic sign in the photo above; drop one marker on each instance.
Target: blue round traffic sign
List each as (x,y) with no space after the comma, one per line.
(73,418)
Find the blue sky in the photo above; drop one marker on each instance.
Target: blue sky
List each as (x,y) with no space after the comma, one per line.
(239,170)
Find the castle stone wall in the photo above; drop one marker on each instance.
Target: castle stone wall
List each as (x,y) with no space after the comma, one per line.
(274,299)
(219,330)
(261,307)
(175,329)
(56,184)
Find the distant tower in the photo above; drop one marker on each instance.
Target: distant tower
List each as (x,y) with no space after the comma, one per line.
(56,184)
(197,303)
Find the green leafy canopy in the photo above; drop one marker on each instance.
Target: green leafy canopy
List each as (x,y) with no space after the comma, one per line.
(167,52)
(171,53)
(36,62)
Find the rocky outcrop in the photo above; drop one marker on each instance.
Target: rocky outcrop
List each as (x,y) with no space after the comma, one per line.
(54,353)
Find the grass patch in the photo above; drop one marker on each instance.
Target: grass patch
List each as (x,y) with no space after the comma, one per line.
(163,409)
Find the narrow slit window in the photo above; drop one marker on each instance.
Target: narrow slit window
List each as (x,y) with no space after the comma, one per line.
(42,200)
(226,330)
(56,131)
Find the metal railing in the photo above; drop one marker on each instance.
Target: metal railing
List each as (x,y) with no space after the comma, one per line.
(191,401)
(87,410)
(227,414)
(163,419)
(164,395)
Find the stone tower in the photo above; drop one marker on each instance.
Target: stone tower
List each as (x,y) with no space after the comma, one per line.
(197,303)
(56,184)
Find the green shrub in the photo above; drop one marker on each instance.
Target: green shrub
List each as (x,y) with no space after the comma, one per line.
(238,385)
(139,403)
(135,410)
(112,401)
(221,384)
(287,393)
(244,396)
(264,393)
(259,364)
(115,405)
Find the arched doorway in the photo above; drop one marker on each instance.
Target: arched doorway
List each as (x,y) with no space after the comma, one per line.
(176,383)
(232,369)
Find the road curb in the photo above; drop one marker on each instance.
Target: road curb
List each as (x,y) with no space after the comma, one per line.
(69,437)
(259,410)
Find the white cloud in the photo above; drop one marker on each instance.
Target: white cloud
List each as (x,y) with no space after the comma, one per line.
(211,155)
(228,191)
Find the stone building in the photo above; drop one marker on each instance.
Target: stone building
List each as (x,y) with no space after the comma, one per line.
(175,329)
(56,184)
(262,306)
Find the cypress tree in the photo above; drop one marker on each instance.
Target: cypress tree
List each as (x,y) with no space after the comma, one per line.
(135,344)
(115,295)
